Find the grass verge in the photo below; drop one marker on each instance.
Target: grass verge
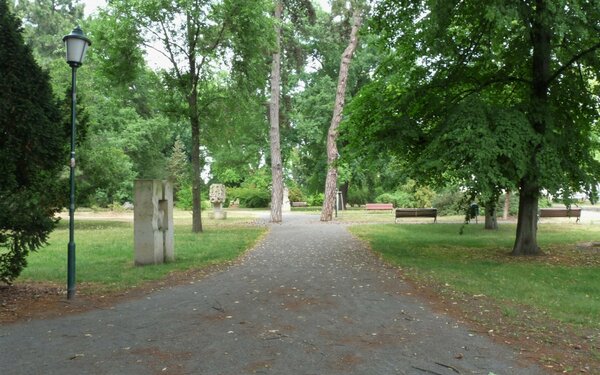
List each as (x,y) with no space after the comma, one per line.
(105,253)
(565,283)
(545,307)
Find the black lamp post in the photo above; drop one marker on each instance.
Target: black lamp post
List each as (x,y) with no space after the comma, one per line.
(76,44)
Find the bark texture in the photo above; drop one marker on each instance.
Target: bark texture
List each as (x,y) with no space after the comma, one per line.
(332,135)
(276,163)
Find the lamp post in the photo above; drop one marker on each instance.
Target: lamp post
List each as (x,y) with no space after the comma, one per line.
(76,44)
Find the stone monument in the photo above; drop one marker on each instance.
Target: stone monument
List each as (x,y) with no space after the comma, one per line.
(217,195)
(153,222)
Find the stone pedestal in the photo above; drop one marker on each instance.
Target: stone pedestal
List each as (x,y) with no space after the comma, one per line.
(153,222)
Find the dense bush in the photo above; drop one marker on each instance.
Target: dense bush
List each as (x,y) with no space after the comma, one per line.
(449,202)
(183,198)
(316,199)
(295,194)
(357,196)
(250,197)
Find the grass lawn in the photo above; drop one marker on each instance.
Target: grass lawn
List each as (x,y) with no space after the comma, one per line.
(105,252)
(564,284)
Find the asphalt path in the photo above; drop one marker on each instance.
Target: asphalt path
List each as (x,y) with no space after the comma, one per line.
(309,299)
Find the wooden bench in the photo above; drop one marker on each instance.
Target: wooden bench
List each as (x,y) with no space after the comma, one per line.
(416,212)
(379,206)
(299,204)
(560,212)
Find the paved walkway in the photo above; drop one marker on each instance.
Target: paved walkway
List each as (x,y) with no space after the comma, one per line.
(310,299)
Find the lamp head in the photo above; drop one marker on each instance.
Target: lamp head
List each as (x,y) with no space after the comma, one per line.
(76,44)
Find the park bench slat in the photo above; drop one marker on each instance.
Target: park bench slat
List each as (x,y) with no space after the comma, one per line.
(416,212)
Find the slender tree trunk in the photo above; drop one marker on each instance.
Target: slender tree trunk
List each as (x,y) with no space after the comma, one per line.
(529,189)
(276,163)
(195,124)
(506,205)
(332,152)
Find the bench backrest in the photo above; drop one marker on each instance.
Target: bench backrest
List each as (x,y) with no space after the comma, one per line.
(416,212)
(379,206)
(560,212)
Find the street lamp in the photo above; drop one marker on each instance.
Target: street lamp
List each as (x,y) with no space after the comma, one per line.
(76,44)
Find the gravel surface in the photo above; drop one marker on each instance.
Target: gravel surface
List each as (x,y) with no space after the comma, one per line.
(309,299)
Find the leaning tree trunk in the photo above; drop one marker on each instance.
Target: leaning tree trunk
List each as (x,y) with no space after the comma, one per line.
(332,152)
(529,189)
(276,163)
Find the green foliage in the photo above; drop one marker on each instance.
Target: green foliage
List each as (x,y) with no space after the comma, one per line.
(358,196)
(295,194)
(315,199)
(178,170)
(250,197)
(450,201)
(32,151)
(184,198)
(107,174)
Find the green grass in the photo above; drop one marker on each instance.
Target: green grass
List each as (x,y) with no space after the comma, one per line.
(562,283)
(105,253)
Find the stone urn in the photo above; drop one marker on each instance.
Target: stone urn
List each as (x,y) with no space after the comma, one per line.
(217,196)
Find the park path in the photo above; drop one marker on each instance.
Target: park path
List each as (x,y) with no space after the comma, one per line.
(309,299)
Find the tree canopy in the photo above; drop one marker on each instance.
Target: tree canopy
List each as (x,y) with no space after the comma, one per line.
(466,68)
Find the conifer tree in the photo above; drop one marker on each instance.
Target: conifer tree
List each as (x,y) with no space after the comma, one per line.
(32,150)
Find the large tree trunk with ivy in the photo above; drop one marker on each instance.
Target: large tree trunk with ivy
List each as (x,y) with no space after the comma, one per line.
(529,189)
(332,152)
(276,163)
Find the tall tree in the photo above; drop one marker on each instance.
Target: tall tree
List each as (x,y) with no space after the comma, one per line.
(32,151)
(332,135)
(536,57)
(276,162)
(194,37)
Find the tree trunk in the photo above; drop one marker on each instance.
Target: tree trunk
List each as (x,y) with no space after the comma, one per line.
(491,222)
(276,163)
(526,241)
(506,205)
(332,152)
(195,124)
(529,189)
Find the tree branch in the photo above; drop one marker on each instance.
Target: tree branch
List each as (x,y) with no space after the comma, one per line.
(572,61)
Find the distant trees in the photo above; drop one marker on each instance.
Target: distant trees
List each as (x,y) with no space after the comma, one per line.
(32,150)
